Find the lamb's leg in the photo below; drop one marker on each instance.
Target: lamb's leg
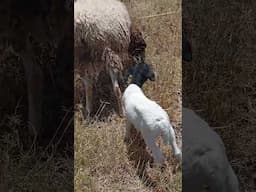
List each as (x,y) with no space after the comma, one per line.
(157,154)
(88,93)
(117,91)
(177,151)
(173,143)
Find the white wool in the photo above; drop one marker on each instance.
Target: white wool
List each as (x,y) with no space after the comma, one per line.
(150,119)
(102,22)
(205,162)
(102,13)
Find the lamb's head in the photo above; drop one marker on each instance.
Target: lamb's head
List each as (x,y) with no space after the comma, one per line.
(186,49)
(140,73)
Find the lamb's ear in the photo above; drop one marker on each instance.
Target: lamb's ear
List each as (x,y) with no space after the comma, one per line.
(152,78)
(151,74)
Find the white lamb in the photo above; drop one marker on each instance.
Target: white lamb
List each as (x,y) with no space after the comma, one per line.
(150,119)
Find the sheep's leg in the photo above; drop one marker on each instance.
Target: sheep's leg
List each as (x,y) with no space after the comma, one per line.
(117,91)
(127,131)
(157,154)
(88,93)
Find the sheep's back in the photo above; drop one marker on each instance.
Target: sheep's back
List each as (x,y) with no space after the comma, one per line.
(99,25)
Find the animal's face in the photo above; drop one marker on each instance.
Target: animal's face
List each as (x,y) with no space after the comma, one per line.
(141,73)
(186,50)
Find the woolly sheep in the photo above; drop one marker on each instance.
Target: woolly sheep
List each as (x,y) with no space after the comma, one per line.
(150,119)
(101,38)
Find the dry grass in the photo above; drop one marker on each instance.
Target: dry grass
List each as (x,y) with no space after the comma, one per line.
(220,82)
(103,162)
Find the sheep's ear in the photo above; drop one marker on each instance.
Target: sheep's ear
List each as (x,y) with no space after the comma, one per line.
(152,77)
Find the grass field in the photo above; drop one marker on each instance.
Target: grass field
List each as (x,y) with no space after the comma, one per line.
(102,160)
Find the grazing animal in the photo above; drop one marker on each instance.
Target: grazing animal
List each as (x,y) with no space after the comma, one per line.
(150,119)
(101,39)
(205,164)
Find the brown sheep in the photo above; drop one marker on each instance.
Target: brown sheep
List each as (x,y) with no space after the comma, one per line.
(103,42)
